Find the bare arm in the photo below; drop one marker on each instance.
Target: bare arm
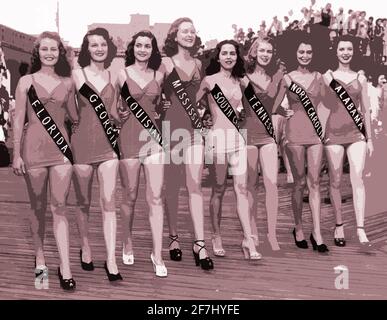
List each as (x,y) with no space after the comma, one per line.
(280,96)
(365,101)
(71,105)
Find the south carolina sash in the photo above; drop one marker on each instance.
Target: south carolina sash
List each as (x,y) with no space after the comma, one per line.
(141,116)
(103,116)
(49,124)
(259,110)
(309,109)
(186,101)
(349,105)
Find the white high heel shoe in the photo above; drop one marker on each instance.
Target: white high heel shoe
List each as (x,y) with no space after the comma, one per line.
(127,259)
(159,269)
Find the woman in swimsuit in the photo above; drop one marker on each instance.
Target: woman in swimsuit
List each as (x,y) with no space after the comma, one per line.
(40,160)
(343,136)
(229,146)
(303,142)
(93,151)
(180,46)
(139,148)
(264,76)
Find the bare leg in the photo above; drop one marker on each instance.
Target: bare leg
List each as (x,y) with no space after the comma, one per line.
(36,180)
(268,157)
(107,177)
(356,156)
(252,187)
(60,179)
(129,173)
(154,173)
(83,179)
(335,157)
(296,155)
(314,158)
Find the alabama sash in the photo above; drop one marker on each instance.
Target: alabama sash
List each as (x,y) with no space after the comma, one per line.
(349,105)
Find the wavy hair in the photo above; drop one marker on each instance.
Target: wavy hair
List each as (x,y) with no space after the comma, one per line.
(251,58)
(238,71)
(356,62)
(62,68)
(154,61)
(171,46)
(84,58)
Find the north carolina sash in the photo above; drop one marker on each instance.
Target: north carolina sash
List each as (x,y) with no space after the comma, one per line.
(309,109)
(49,124)
(349,105)
(259,110)
(103,116)
(186,101)
(141,116)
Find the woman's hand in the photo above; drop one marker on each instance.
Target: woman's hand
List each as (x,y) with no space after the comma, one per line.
(207,121)
(165,104)
(18,166)
(123,114)
(287,113)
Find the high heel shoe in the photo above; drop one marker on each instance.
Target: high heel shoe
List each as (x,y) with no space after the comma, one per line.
(127,259)
(367,243)
(339,242)
(66,284)
(40,269)
(303,244)
(249,250)
(175,254)
(206,263)
(159,269)
(219,252)
(322,248)
(87,266)
(112,276)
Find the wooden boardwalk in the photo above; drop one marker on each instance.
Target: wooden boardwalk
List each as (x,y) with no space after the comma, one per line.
(293,274)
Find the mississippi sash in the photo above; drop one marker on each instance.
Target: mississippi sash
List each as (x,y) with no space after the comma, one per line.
(103,116)
(49,124)
(349,105)
(185,100)
(141,116)
(309,109)
(259,110)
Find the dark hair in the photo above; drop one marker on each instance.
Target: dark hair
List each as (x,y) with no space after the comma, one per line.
(238,71)
(62,67)
(356,62)
(154,61)
(84,55)
(251,58)
(171,46)
(304,38)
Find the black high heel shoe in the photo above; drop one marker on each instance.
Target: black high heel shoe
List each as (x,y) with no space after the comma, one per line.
(206,263)
(303,244)
(87,266)
(175,254)
(339,242)
(322,248)
(66,284)
(112,276)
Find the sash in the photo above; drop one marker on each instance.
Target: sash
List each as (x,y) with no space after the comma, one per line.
(103,116)
(49,124)
(141,116)
(309,109)
(349,105)
(259,110)
(185,101)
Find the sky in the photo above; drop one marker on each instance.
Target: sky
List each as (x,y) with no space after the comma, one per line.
(213,19)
